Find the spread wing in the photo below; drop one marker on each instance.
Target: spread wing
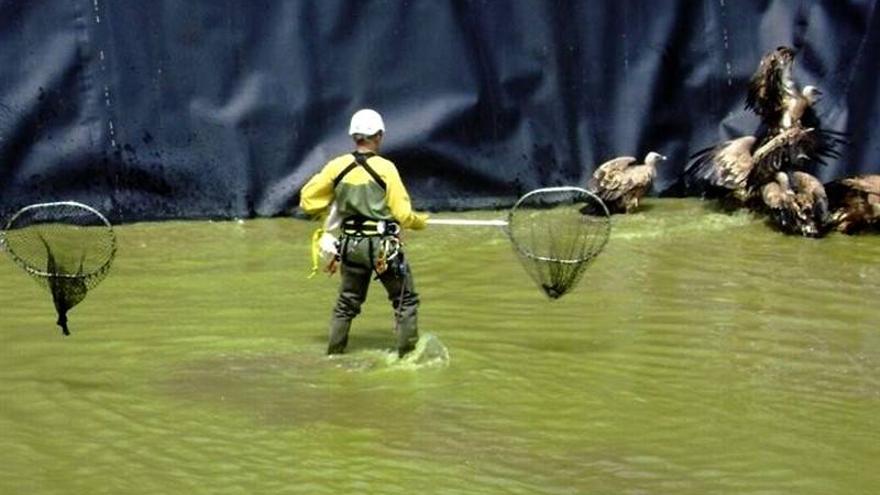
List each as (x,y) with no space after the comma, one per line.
(866,183)
(724,165)
(822,143)
(766,90)
(786,150)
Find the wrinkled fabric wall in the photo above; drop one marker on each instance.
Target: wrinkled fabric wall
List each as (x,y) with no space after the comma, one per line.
(225,108)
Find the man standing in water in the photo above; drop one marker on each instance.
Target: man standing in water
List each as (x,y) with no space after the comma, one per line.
(374,207)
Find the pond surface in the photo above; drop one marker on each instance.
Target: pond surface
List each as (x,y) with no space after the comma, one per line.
(702,353)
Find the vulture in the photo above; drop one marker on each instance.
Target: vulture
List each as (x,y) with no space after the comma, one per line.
(770,84)
(749,169)
(797,105)
(621,182)
(778,198)
(800,113)
(797,203)
(723,167)
(855,203)
(812,203)
(774,96)
(738,169)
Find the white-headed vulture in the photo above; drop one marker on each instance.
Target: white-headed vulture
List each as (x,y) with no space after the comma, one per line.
(622,182)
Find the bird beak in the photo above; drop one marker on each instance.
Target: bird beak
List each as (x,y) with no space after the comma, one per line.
(663,158)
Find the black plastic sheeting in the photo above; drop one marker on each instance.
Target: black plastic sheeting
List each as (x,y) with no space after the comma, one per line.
(224,108)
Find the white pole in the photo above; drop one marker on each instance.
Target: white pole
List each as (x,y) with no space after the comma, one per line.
(469,223)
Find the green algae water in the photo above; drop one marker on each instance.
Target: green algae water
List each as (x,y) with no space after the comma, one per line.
(701,353)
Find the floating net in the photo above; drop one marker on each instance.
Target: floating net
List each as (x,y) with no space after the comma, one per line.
(67,247)
(557,232)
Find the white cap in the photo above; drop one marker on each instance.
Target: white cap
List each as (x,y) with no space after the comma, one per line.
(366,122)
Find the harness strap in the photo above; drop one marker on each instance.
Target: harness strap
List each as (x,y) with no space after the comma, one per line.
(360,160)
(343,250)
(344,172)
(370,250)
(361,226)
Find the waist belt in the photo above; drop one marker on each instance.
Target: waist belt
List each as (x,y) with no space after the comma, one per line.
(367,227)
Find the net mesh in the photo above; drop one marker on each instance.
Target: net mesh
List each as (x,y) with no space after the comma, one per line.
(556,233)
(67,247)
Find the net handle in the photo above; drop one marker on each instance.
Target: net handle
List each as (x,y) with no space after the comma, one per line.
(504,223)
(467,223)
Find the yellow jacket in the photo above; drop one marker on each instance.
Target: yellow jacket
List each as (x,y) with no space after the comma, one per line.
(357,193)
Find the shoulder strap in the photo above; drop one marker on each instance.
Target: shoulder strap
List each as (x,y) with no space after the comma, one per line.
(342,174)
(360,159)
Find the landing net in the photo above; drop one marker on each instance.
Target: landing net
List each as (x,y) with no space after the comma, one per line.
(557,232)
(67,247)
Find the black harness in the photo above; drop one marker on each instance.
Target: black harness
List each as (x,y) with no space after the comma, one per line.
(358,225)
(360,160)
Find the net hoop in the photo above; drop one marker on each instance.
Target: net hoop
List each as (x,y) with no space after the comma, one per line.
(43,273)
(560,189)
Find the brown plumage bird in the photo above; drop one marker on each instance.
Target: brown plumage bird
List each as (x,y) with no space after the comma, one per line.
(773,93)
(622,182)
(797,105)
(738,169)
(769,85)
(775,97)
(812,203)
(797,203)
(779,201)
(723,167)
(855,203)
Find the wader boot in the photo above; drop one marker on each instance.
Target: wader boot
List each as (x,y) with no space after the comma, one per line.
(338,335)
(398,282)
(352,293)
(359,255)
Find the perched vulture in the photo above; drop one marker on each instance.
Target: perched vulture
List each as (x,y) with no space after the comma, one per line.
(812,202)
(779,200)
(621,182)
(797,203)
(797,105)
(855,203)
(800,112)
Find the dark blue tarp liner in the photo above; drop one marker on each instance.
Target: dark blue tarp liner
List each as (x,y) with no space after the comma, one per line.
(224,108)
